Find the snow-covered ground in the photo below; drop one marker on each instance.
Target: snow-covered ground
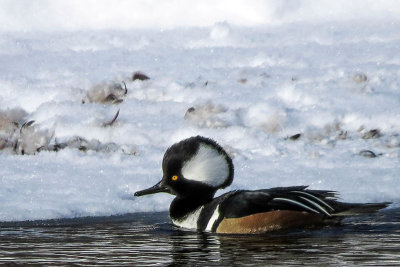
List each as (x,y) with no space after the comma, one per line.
(249,74)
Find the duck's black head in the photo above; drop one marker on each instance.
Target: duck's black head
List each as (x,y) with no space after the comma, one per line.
(193,167)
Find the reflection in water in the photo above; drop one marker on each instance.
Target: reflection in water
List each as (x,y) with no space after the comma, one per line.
(150,240)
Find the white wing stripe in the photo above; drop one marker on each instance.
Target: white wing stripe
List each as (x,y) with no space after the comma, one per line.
(314,197)
(315,205)
(296,203)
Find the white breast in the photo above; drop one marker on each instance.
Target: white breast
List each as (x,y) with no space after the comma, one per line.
(190,221)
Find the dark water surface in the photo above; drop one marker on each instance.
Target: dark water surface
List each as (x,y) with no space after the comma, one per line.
(149,239)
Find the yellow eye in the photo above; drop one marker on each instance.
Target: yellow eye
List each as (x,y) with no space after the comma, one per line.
(174,178)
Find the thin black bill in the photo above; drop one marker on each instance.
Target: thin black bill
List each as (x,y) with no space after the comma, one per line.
(158,188)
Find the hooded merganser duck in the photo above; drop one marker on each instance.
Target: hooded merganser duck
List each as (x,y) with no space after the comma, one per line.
(195,168)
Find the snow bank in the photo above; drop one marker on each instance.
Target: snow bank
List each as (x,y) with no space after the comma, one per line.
(73,15)
(308,103)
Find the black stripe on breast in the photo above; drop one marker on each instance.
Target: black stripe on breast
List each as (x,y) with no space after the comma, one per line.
(208,211)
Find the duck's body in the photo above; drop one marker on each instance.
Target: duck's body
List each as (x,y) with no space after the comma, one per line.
(195,168)
(265,210)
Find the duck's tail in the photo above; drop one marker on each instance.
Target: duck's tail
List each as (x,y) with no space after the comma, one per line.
(350,209)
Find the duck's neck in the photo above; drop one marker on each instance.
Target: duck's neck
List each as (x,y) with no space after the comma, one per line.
(182,206)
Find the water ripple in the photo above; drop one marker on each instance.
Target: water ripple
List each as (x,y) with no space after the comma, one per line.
(150,240)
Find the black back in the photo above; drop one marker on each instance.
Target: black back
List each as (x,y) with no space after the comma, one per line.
(236,204)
